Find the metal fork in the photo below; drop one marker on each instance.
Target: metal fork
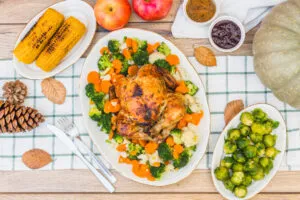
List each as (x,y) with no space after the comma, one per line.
(69,127)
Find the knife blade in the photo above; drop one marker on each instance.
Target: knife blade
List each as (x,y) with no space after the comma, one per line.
(69,143)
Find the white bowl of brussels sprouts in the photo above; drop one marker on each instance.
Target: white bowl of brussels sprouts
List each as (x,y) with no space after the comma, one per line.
(249,152)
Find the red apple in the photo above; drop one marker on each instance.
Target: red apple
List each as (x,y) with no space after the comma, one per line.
(152,9)
(112,14)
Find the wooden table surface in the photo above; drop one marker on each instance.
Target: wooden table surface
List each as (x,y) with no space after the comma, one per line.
(81,184)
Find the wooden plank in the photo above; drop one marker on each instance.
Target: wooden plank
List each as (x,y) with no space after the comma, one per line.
(82,181)
(22,11)
(139,196)
(10,33)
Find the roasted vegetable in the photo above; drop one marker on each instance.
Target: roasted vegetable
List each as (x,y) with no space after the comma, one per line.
(240,191)
(229,185)
(247,118)
(229,147)
(227,162)
(38,37)
(61,43)
(234,134)
(221,173)
(237,178)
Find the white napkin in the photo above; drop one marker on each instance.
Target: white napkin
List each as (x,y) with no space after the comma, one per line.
(249,12)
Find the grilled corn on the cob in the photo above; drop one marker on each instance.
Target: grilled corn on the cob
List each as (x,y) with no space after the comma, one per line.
(62,42)
(36,39)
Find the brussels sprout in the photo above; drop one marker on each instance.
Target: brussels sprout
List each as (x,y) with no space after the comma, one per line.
(268,127)
(227,162)
(247,118)
(245,130)
(250,166)
(250,151)
(237,167)
(268,168)
(234,134)
(270,140)
(242,142)
(222,173)
(237,178)
(229,147)
(264,162)
(258,174)
(247,180)
(239,157)
(240,191)
(259,115)
(256,159)
(256,138)
(259,128)
(271,152)
(229,185)
(260,149)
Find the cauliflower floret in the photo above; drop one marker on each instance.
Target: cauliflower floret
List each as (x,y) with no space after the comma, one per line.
(189,136)
(156,56)
(123,46)
(130,62)
(192,103)
(153,158)
(177,76)
(123,154)
(170,168)
(143,158)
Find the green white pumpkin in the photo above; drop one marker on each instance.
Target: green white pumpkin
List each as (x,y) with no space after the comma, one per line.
(276,50)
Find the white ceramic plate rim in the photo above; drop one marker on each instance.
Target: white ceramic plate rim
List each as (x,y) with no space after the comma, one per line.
(281,145)
(76,51)
(184,172)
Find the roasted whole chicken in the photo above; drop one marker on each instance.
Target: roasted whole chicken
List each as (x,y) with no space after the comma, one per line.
(150,108)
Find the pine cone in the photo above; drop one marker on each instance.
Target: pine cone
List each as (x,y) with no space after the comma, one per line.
(15,92)
(16,118)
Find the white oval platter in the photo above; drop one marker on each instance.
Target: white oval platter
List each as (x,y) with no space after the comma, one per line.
(77,8)
(99,137)
(218,155)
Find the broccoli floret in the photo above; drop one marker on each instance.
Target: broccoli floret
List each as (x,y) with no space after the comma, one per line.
(89,90)
(125,67)
(104,62)
(193,89)
(95,114)
(164,49)
(114,46)
(188,110)
(156,172)
(141,57)
(118,56)
(173,70)
(118,138)
(135,147)
(164,152)
(176,133)
(142,44)
(182,160)
(163,64)
(98,99)
(105,122)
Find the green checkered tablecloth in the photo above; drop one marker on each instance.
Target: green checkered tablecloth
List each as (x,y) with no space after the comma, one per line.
(234,78)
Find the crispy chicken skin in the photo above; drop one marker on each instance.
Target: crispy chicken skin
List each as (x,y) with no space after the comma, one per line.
(149,107)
